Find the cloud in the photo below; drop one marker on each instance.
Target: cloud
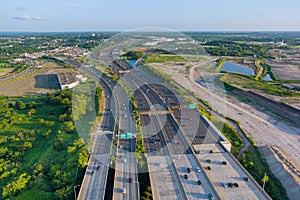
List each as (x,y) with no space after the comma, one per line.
(38,18)
(26,17)
(23,17)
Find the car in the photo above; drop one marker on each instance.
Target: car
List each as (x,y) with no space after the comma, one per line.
(235,184)
(186,176)
(246,178)
(199,182)
(230,185)
(198,169)
(225,185)
(211,197)
(124,190)
(125,161)
(188,170)
(129,180)
(98,167)
(208,160)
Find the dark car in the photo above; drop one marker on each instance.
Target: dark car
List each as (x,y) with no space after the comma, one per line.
(199,182)
(186,176)
(235,184)
(129,180)
(246,178)
(188,170)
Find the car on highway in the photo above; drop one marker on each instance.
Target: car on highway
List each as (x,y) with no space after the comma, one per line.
(186,176)
(198,169)
(211,197)
(129,180)
(174,141)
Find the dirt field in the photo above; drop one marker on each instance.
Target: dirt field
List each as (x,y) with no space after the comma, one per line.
(40,81)
(4,71)
(286,67)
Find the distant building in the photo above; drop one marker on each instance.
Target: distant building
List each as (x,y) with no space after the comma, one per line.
(69,80)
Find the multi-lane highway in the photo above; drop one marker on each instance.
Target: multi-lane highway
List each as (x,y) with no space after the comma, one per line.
(94,182)
(126,177)
(170,130)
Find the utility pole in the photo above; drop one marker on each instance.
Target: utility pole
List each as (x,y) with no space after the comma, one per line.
(264,181)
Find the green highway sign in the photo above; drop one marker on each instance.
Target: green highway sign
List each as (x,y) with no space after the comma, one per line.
(123,136)
(129,135)
(192,106)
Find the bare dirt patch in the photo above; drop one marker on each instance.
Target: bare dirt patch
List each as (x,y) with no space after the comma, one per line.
(40,81)
(286,63)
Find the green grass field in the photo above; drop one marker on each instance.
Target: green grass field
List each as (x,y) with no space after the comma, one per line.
(157,58)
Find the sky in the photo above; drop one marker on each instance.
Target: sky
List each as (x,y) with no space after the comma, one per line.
(121,15)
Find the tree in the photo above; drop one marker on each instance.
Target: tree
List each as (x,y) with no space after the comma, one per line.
(69,126)
(64,193)
(83,158)
(31,112)
(63,117)
(20,105)
(59,144)
(147,194)
(15,186)
(265,179)
(32,105)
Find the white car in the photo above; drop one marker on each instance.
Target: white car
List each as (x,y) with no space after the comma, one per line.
(124,190)
(198,169)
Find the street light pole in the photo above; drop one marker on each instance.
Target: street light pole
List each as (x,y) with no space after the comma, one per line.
(264,181)
(75,190)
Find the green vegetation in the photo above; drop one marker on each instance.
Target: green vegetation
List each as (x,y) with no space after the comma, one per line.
(268,70)
(220,63)
(159,58)
(234,80)
(229,132)
(231,48)
(256,165)
(140,149)
(41,157)
(132,55)
(147,195)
